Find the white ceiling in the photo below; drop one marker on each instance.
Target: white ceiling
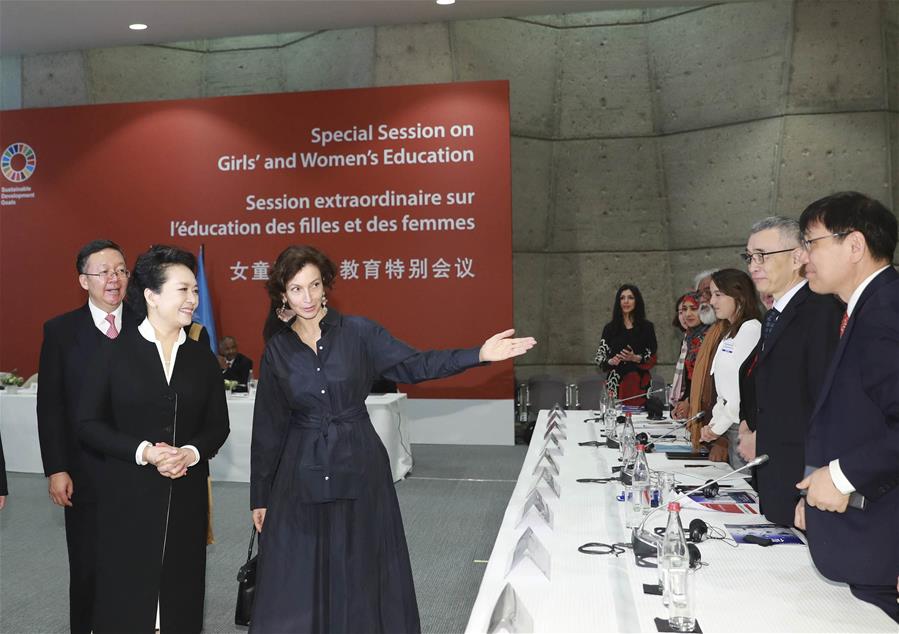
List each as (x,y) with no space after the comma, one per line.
(42,26)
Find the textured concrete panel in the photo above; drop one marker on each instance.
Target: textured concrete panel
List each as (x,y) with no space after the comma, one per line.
(145,73)
(718,181)
(837,61)
(197,46)
(331,59)
(528,290)
(243,42)
(827,153)
(56,79)
(523,53)
(244,72)
(891,48)
(609,195)
(580,291)
(604,18)
(894,145)
(557,20)
(10,82)
(720,65)
(531,192)
(413,54)
(664,13)
(605,86)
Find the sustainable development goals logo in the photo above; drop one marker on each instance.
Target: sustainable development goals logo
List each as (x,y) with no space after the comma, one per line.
(18,162)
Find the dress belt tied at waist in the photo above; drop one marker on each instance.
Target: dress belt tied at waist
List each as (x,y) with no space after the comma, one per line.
(327,469)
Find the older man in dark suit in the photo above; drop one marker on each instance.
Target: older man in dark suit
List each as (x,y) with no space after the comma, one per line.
(234,365)
(70,340)
(851,508)
(799,335)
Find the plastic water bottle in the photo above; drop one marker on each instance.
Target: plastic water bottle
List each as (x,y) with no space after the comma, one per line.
(640,502)
(674,554)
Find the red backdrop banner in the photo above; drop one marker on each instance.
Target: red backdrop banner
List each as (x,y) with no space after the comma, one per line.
(406,188)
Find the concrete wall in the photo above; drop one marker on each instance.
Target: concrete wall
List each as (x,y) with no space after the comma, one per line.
(645,142)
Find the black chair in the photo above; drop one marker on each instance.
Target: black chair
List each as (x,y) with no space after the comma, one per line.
(544,392)
(589,392)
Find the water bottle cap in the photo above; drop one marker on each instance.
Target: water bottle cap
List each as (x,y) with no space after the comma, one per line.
(674,506)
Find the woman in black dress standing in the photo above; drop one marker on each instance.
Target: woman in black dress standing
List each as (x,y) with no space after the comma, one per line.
(627,348)
(154,406)
(333,554)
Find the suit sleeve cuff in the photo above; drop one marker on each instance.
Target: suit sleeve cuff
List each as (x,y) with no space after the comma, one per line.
(840,481)
(196,454)
(139,454)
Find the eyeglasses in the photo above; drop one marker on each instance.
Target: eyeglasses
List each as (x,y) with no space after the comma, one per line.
(807,244)
(759,256)
(109,275)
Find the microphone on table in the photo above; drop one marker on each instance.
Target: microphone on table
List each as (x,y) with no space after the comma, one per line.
(646,394)
(641,535)
(682,423)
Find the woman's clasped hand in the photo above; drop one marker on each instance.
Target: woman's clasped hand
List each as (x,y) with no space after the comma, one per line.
(171,462)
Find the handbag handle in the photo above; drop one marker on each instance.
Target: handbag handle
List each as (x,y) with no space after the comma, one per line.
(252,540)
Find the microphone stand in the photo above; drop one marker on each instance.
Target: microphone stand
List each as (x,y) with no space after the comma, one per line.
(647,394)
(640,535)
(683,423)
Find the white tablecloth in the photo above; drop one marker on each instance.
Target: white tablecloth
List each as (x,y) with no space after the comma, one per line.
(742,589)
(18,427)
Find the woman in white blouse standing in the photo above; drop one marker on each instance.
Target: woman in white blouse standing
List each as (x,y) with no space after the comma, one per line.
(735,300)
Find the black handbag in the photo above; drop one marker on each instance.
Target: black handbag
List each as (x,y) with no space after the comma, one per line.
(246,586)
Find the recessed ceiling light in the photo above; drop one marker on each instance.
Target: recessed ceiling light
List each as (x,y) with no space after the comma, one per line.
(137,27)
(446,1)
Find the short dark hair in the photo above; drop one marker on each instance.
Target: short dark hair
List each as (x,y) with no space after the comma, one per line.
(94,246)
(852,211)
(738,285)
(289,263)
(149,272)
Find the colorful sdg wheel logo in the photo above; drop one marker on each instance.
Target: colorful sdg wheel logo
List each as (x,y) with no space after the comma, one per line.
(18,162)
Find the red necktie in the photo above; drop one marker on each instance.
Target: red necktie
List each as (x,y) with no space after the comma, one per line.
(111,332)
(843,323)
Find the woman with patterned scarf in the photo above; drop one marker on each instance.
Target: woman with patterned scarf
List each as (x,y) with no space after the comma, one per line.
(686,318)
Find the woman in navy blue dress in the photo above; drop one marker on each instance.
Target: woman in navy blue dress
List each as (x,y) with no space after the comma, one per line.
(333,555)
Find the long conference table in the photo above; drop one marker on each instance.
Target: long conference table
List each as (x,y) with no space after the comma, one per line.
(18,428)
(741,588)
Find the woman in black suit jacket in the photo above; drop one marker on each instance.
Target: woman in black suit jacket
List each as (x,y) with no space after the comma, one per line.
(154,406)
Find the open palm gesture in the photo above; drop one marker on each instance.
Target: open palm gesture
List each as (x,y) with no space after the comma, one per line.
(502,346)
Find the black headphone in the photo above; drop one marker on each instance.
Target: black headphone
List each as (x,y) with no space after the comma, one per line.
(642,438)
(695,555)
(692,549)
(710,490)
(698,530)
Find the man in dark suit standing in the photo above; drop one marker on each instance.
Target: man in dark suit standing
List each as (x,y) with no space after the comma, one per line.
(69,342)
(799,335)
(235,366)
(852,447)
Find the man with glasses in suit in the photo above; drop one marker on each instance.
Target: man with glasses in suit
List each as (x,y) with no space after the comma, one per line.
(799,335)
(70,340)
(851,505)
